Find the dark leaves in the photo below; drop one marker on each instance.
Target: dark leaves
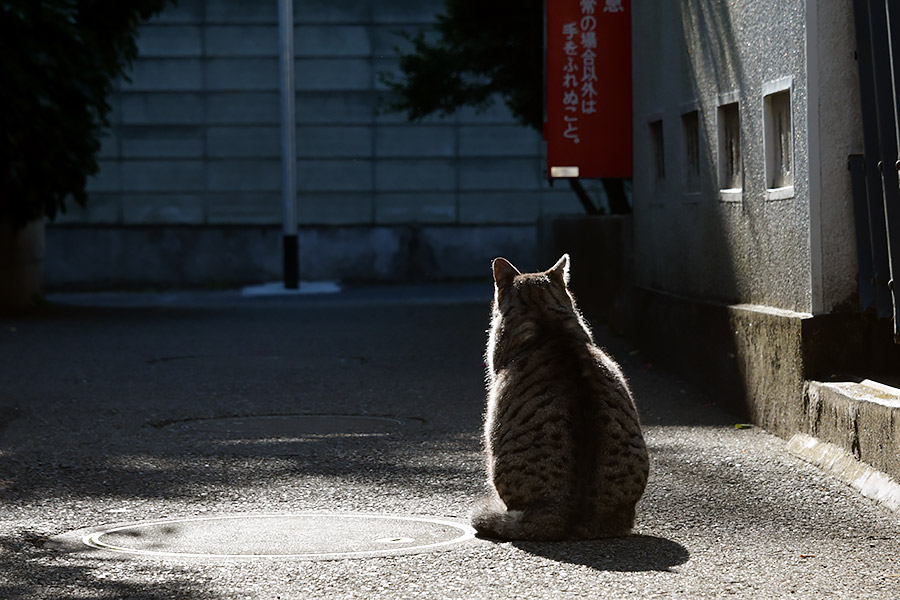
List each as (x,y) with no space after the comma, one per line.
(59,60)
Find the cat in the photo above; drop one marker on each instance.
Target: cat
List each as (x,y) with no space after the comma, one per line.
(566,458)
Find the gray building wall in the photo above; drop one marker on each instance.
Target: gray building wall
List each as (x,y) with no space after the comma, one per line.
(189,187)
(745,283)
(788,250)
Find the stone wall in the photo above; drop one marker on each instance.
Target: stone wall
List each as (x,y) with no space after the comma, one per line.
(195,146)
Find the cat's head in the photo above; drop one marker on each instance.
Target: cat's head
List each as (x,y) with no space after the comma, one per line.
(553,283)
(528,306)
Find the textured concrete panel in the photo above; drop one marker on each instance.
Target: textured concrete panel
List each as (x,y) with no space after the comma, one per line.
(162,142)
(499,140)
(237,12)
(334,175)
(334,142)
(239,74)
(156,41)
(387,41)
(156,108)
(467,252)
(415,207)
(162,175)
(401,11)
(239,208)
(184,12)
(109,144)
(108,179)
(318,74)
(244,175)
(499,207)
(102,208)
(198,133)
(190,256)
(328,12)
(337,108)
(257,108)
(149,209)
(243,142)
(332,41)
(165,74)
(241,40)
(500,174)
(335,208)
(409,175)
(414,141)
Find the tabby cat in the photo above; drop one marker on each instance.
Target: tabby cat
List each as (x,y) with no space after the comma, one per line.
(565,454)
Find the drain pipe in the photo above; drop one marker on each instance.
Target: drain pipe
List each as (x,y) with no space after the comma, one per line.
(288,144)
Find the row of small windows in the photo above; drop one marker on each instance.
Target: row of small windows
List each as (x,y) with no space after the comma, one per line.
(776,140)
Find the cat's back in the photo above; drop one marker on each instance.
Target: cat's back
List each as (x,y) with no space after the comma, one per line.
(562,432)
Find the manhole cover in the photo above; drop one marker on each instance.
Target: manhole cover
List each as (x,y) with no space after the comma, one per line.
(293,425)
(308,536)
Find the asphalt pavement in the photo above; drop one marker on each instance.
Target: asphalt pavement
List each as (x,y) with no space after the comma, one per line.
(215,446)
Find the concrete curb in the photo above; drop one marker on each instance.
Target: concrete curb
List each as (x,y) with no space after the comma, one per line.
(838,463)
(860,417)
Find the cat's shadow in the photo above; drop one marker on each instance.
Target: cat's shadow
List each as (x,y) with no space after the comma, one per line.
(629,554)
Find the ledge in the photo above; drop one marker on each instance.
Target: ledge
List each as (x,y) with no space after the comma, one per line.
(860,417)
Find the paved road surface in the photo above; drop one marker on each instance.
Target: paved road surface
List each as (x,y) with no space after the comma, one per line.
(108,414)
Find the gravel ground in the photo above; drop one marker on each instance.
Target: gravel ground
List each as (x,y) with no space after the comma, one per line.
(93,399)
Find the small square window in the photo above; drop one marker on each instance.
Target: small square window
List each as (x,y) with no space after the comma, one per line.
(777,132)
(730,165)
(690,127)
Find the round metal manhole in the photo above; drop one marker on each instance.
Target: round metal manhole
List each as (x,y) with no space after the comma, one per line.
(305,536)
(292,425)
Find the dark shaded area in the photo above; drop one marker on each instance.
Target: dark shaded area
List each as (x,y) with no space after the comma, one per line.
(74,581)
(99,398)
(476,54)
(628,554)
(59,61)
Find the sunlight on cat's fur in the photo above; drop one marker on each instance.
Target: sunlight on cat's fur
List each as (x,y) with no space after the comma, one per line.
(565,455)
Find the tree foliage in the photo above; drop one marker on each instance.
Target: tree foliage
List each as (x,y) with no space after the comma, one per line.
(59,61)
(476,52)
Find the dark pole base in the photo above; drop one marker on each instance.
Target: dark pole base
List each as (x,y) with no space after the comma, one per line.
(291,263)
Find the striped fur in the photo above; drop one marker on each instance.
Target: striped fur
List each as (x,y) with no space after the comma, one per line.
(565,454)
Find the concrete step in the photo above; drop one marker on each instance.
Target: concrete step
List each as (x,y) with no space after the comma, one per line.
(860,417)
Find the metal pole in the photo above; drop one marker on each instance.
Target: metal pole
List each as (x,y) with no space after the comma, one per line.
(288,143)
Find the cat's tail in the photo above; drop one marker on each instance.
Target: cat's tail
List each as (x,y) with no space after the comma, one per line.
(491,519)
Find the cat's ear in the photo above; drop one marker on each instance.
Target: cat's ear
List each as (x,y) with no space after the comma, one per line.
(560,271)
(504,272)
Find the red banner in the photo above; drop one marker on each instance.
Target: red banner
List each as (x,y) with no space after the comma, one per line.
(588,128)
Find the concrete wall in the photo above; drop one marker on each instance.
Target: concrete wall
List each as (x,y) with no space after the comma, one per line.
(790,250)
(748,286)
(836,121)
(195,145)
